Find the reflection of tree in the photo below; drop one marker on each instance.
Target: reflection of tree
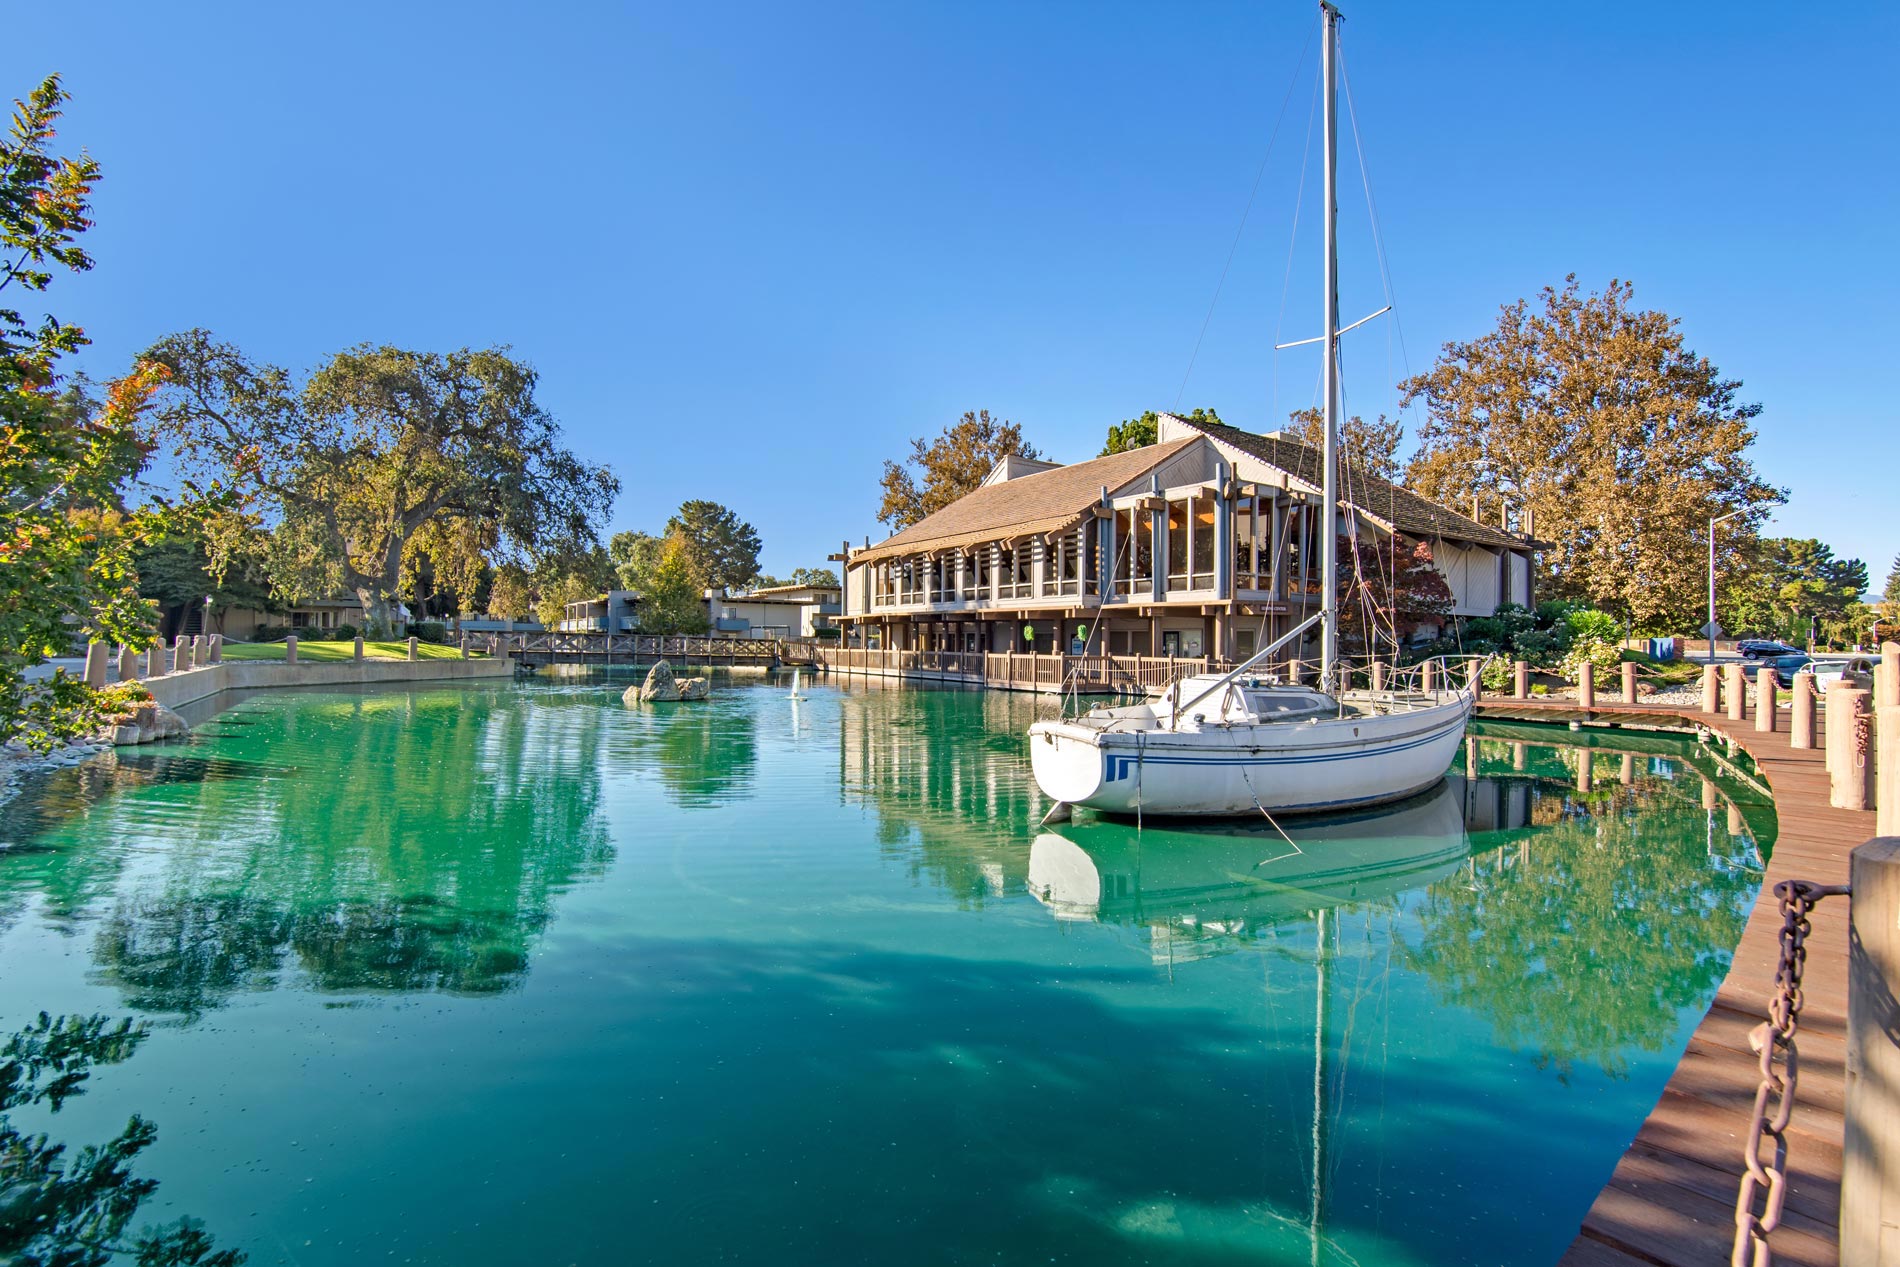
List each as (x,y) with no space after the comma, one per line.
(1585,938)
(950,782)
(706,753)
(75,1214)
(395,841)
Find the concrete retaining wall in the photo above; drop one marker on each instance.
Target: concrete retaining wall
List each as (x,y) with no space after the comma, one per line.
(176,689)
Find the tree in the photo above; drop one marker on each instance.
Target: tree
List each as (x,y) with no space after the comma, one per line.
(379,452)
(511,593)
(175,572)
(635,555)
(816,578)
(1891,593)
(1392,592)
(951,467)
(1372,447)
(1139,433)
(1781,585)
(674,601)
(724,547)
(570,577)
(1592,414)
(65,546)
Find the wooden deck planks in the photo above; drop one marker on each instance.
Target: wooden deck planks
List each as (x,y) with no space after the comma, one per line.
(1671,1198)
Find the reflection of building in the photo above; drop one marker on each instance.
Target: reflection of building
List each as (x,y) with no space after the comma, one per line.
(1198,545)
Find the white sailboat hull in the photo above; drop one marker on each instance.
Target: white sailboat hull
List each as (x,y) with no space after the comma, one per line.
(1281,767)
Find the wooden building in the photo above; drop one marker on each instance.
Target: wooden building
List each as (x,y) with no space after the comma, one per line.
(1201,544)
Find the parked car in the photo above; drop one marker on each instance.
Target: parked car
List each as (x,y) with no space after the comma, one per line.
(1853,670)
(1785,666)
(1763,648)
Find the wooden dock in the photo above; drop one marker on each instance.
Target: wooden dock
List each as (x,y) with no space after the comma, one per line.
(1671,1200)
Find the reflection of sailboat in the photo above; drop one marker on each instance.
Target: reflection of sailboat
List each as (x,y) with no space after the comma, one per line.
(1210,880)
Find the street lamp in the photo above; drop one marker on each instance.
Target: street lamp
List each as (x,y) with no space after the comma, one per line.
(1711,627)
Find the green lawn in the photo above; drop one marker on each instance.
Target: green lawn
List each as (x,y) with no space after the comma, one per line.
(340,651)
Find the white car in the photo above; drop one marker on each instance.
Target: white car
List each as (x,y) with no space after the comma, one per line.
(1857,670)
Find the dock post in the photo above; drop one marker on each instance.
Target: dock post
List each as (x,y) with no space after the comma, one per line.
(1378,675)
(1735,685)
(1766,684)
(217,648)
(412,646)
(1428,676)
(1887,770)
(1587,688)
(128,662)
(1849,739)
(1629,681)
(1801,718)
(96,665)
(290,649)
(1870,1144)
(464,641)
(200,652)
(1887,681)
(1521,680)
(1711,690)
(357,654)
(181,654)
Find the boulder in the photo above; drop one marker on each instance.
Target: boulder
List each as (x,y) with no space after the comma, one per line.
(661,686)
(155,722)
(695,688)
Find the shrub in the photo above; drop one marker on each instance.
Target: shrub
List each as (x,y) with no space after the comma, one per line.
(344,633)
(1497,674)
(1603,654)
(1588,622)
(270,633)
(429,631)
(117,703)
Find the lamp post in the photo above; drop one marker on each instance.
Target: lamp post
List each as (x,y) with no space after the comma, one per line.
(204,625)
(1714,520)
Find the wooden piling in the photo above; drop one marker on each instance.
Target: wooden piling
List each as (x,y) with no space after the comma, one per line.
(1870,1144)
(1766,714)
(1711,690)
(1587,688)
(1801,717)
(412,646)
(1887,770)
(290,649)
(357,653)
(1428,676)
(1735,686)
(1887,681)
(1521,680)
(128,662)
(1628,668)
(1849,738)
(1378,675)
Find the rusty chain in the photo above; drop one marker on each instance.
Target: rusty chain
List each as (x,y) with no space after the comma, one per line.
(1772,1039)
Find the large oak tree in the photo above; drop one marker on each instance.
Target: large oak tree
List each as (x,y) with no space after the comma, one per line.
(1593,414)
(381,451)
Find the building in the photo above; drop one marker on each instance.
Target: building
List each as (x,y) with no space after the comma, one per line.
(612,612)
(1201,544)
(778,611)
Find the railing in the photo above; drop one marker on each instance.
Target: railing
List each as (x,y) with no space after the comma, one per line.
(1050,671)
(556,643)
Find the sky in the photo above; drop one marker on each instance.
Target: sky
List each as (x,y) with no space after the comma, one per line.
(752,249)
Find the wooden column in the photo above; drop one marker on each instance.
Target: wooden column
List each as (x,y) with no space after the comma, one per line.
(1887,773)
(1849,740)
(1887,681)
(1587,687)
(1801,716)
(1378,675)
(1735,686)
(1521,680)
(1765,712)
(1629,681)
(1711,690)
(128,663)
(1870,1143)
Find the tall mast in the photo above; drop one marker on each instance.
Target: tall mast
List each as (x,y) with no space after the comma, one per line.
(1329,490)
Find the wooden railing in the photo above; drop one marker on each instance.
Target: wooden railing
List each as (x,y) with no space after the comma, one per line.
(1025,670)
(554,644)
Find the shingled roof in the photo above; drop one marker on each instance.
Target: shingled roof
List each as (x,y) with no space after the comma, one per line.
(1048,501)
(1406,511)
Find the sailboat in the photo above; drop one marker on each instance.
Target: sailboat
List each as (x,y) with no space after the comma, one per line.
(1244,742)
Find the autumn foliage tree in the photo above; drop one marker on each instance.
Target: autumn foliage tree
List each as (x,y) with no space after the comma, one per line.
(942,470)
(1592,414)
(66,542)
(1388,593)
(383,452)
(1372,447)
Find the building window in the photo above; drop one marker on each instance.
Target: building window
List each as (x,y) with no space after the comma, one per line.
(1177,545)
(1201,549)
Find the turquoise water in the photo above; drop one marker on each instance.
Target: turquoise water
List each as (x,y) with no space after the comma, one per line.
(522,975)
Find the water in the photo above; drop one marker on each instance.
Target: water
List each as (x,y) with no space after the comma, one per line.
(523,975)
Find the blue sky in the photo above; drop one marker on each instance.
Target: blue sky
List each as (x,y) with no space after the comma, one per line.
(754,248)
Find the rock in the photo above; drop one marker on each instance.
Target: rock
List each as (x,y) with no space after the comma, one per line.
(162,723)
(661,686)
(123,735)
(695,688)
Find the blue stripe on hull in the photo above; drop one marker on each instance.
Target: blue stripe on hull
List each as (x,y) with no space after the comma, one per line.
(1119,764)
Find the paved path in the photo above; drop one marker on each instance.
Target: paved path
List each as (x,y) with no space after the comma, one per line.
(1671,1199)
